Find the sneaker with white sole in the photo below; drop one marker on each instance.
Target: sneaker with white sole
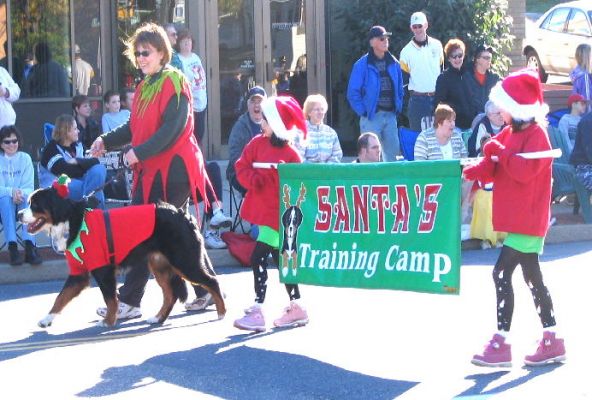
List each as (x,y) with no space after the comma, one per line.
(293,315)
(497,353)
(550,349)
(214,241)
(200,303)
(219,220)
(125,311)
(253,320)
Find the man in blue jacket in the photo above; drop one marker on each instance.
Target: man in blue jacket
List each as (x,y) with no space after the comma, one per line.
(375,92)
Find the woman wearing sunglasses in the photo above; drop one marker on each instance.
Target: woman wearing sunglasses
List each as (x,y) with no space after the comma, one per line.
(16,184)
(451,88)
(164,155)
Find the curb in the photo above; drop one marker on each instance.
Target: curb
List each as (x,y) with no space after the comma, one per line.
(58,270)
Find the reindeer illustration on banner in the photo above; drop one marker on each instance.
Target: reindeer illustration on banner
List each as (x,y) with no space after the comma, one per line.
(291,220)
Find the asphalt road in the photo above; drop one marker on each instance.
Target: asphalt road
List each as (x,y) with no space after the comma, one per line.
(360,344)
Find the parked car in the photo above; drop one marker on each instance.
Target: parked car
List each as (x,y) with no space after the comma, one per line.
(550,43)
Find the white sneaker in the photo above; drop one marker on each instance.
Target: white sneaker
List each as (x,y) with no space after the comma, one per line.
(213,240)
(219,220)
(125,311)
(485,244)
(200,303)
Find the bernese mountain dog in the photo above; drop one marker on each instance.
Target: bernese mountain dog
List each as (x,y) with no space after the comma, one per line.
(98,242)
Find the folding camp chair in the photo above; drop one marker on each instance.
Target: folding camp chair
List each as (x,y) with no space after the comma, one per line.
(407,138)
(236,202)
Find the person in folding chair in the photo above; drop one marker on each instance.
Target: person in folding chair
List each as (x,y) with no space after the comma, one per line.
(16,184)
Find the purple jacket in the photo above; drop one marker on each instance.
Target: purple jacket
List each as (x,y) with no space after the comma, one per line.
(582,83)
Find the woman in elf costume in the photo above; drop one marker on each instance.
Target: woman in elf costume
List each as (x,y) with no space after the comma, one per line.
(521,207)
(164,155)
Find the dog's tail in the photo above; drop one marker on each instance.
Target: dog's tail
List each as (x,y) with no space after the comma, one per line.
(179,288)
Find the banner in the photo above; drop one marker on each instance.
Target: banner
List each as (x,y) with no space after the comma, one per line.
(376,226)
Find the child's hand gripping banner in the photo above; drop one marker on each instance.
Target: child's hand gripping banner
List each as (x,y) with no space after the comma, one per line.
(376,226)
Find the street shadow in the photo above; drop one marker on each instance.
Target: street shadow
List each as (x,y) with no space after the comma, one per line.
(42,339)
(484,380)
(233,370)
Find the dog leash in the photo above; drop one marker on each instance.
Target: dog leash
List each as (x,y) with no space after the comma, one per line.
(119,175)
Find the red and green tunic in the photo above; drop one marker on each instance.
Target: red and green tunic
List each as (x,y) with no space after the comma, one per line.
(153,96)
(130,226)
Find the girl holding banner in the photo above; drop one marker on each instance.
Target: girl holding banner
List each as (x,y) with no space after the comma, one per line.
(283,120)
(521,207)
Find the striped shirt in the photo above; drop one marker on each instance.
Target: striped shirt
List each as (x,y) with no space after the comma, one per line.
(428,148)
(321,146)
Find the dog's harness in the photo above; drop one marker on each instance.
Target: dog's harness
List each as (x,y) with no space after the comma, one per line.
(109,237)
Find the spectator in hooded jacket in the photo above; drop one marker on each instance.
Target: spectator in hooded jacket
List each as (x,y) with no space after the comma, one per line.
(581,76)
(479,78)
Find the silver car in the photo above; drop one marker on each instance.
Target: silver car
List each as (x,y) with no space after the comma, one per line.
(550,43)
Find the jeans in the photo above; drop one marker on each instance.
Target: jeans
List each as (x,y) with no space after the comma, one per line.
(8,211)
(419,107)
(92,179)
(384,124)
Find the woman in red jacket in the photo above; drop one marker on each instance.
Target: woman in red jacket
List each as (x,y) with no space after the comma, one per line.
(521,207)
(283,119)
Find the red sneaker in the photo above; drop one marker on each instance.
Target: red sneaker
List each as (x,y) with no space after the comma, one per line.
(550,350)
(497,353)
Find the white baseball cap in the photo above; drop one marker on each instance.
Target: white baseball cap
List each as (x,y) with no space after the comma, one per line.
(418,18)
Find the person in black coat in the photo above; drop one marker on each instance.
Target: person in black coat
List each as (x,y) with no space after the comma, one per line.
(479,78)
(451,88)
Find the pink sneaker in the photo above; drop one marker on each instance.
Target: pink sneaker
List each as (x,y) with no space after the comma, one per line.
(294,315)
(253,320)
(497,353)
(550,350)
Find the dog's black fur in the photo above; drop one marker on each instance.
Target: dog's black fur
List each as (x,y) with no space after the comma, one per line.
(174,252)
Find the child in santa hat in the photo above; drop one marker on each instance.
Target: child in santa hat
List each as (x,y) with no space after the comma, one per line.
(521,207)
(283,120)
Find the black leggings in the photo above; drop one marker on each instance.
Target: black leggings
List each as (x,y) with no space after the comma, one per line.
(502,277)
(259,266)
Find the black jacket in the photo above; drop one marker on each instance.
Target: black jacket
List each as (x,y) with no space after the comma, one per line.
(452,90)
(479,94)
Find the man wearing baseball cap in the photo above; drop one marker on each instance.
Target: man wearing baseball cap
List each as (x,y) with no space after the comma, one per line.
(422,58)
(375,92)
(568,124)
(246,127)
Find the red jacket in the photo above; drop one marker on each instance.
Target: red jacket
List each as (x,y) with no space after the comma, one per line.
(522,188)
(262,202)
(130,226)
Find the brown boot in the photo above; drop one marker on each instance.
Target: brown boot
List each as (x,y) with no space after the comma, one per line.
(15,256)
(31,255)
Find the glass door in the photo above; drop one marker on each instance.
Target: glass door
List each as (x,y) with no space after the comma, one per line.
(236,52)
(287,68)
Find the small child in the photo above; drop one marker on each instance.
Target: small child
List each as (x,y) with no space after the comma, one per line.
(114,116)
(283,119)
(126,95)
(568,124)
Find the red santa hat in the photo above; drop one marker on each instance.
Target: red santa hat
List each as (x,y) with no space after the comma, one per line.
(285,116)
(521,95)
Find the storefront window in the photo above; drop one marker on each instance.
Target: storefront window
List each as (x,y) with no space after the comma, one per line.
(41,47)
(87,72)
(131,15)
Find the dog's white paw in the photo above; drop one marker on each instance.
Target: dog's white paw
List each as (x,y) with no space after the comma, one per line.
(103,324)
(46,321)
(153,320)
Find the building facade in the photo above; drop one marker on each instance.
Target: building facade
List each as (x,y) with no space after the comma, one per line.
(282,45)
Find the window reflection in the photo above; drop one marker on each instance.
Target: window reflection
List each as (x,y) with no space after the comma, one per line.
(87,49)
(43,32)
(130,15)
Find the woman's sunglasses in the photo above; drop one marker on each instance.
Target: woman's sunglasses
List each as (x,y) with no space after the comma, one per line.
(144,53)
(10,141)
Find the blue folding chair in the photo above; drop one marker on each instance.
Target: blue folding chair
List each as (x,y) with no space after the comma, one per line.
(407,138)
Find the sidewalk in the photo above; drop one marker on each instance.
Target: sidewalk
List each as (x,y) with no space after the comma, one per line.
(568,228)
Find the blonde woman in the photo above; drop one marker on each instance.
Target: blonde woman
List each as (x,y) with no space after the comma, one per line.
(64,154)
(322,143)
(581,76)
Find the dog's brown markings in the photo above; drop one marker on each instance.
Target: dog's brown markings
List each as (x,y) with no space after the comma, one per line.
(161,268)
(72,288)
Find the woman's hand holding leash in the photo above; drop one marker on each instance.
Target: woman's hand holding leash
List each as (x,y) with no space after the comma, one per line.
(130,157)
(97,149)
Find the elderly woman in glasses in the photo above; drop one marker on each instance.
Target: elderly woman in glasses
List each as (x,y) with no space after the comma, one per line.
(16,184)
(479,78)
(451,88)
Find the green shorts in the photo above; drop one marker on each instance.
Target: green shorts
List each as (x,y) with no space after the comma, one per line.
(525,243)
(269,236)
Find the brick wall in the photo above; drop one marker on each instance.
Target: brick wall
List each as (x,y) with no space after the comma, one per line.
(517,8)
